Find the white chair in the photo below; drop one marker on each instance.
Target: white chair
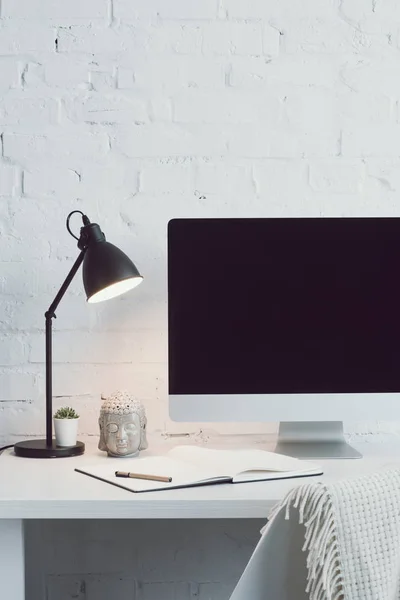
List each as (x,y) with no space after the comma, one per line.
(277,569)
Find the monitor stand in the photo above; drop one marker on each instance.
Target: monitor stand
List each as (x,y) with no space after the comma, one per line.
(314,440)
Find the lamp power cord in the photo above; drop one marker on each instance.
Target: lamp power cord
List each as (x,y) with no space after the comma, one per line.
(6,447)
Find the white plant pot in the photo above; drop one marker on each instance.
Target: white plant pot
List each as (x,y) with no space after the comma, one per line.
(66,431)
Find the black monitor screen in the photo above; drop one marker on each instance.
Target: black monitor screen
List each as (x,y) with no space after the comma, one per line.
(284,306)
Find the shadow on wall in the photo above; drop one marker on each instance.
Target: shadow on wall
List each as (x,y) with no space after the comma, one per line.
(142,560)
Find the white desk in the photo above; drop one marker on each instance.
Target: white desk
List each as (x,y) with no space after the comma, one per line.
(51,489)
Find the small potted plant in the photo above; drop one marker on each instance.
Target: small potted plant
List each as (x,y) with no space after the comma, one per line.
(66,426)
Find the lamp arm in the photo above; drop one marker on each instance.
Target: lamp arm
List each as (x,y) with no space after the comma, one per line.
(53,306)
(49,315)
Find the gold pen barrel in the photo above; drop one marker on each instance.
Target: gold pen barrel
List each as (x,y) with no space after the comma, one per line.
(160,478)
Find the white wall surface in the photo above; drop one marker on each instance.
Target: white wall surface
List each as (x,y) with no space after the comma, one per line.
(137,560)
(136,111)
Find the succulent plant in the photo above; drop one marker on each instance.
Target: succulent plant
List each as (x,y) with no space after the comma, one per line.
(66,412)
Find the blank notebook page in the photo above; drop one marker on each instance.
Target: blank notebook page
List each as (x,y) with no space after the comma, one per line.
(182,473)
(232,462)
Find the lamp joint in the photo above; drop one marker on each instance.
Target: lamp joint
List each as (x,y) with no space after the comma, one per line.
(90,233)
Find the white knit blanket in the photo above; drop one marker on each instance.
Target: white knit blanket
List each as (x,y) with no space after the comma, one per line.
(352,536)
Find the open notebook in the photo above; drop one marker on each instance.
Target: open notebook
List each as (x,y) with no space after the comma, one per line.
(190,466)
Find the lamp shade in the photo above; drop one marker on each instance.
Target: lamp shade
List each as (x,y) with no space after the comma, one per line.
(107,272)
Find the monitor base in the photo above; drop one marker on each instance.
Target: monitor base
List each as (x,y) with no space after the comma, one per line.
(314,440)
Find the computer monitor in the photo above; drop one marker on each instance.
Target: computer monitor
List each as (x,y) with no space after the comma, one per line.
(294,320)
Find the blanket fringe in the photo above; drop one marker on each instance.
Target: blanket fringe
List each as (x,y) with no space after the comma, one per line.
(314,504)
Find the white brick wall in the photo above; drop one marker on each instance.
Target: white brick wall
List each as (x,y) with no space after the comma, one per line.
(19,39)
(174,9)
(136,111)
(135,560)
(9,180)
(59,12)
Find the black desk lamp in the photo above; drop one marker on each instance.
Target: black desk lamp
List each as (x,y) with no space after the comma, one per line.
(107,272)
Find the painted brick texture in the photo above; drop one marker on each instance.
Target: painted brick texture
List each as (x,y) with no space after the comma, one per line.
(138,560)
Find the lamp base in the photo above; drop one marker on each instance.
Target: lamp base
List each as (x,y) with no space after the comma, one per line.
(40,449)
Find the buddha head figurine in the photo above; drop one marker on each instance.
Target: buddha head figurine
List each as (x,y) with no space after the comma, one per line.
(122,424)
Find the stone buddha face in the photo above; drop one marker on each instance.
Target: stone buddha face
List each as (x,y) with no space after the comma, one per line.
(122,424)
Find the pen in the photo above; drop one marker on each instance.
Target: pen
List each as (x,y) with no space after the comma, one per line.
(143,476)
